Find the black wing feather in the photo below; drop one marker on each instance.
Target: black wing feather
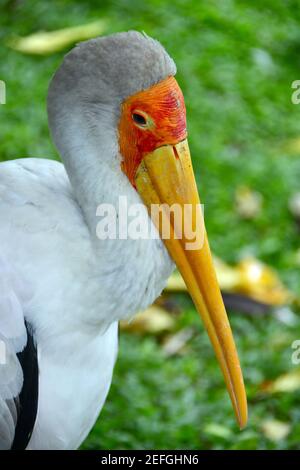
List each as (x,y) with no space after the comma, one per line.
(28,398)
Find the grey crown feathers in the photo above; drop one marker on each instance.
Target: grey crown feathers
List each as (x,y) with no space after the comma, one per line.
(108,69)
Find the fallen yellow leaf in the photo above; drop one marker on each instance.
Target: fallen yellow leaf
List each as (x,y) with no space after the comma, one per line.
(289,382)
(176,343)
(154,320)
(248,202)
(48,42)
(262,283)
(275,430)
(176,283)
(218,430)
(250,277)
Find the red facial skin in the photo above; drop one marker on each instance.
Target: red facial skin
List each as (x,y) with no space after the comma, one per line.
(163,107)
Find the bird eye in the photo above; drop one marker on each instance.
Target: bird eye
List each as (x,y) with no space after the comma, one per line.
(139,119)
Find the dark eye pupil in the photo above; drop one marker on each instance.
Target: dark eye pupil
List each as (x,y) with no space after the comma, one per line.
(139,119)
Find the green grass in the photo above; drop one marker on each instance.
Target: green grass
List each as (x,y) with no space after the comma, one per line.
(236,62)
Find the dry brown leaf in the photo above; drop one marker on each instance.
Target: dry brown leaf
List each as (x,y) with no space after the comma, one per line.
(275,430)
(48,42)
(154,320)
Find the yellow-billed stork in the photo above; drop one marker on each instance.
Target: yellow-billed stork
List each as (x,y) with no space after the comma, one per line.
(117,117)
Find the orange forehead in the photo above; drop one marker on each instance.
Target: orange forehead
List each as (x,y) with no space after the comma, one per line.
(163,104)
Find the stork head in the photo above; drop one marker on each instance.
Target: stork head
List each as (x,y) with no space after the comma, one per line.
(121,92)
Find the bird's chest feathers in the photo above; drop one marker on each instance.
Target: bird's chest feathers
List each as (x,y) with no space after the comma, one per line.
(73,390)
(134,277)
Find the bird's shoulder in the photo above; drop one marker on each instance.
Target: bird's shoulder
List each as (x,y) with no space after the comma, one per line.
(28,180)
(37,195)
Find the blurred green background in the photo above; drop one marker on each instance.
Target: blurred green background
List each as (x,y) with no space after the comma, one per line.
(236,61)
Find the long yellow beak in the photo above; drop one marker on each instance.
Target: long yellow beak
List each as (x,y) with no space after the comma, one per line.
(165,177)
